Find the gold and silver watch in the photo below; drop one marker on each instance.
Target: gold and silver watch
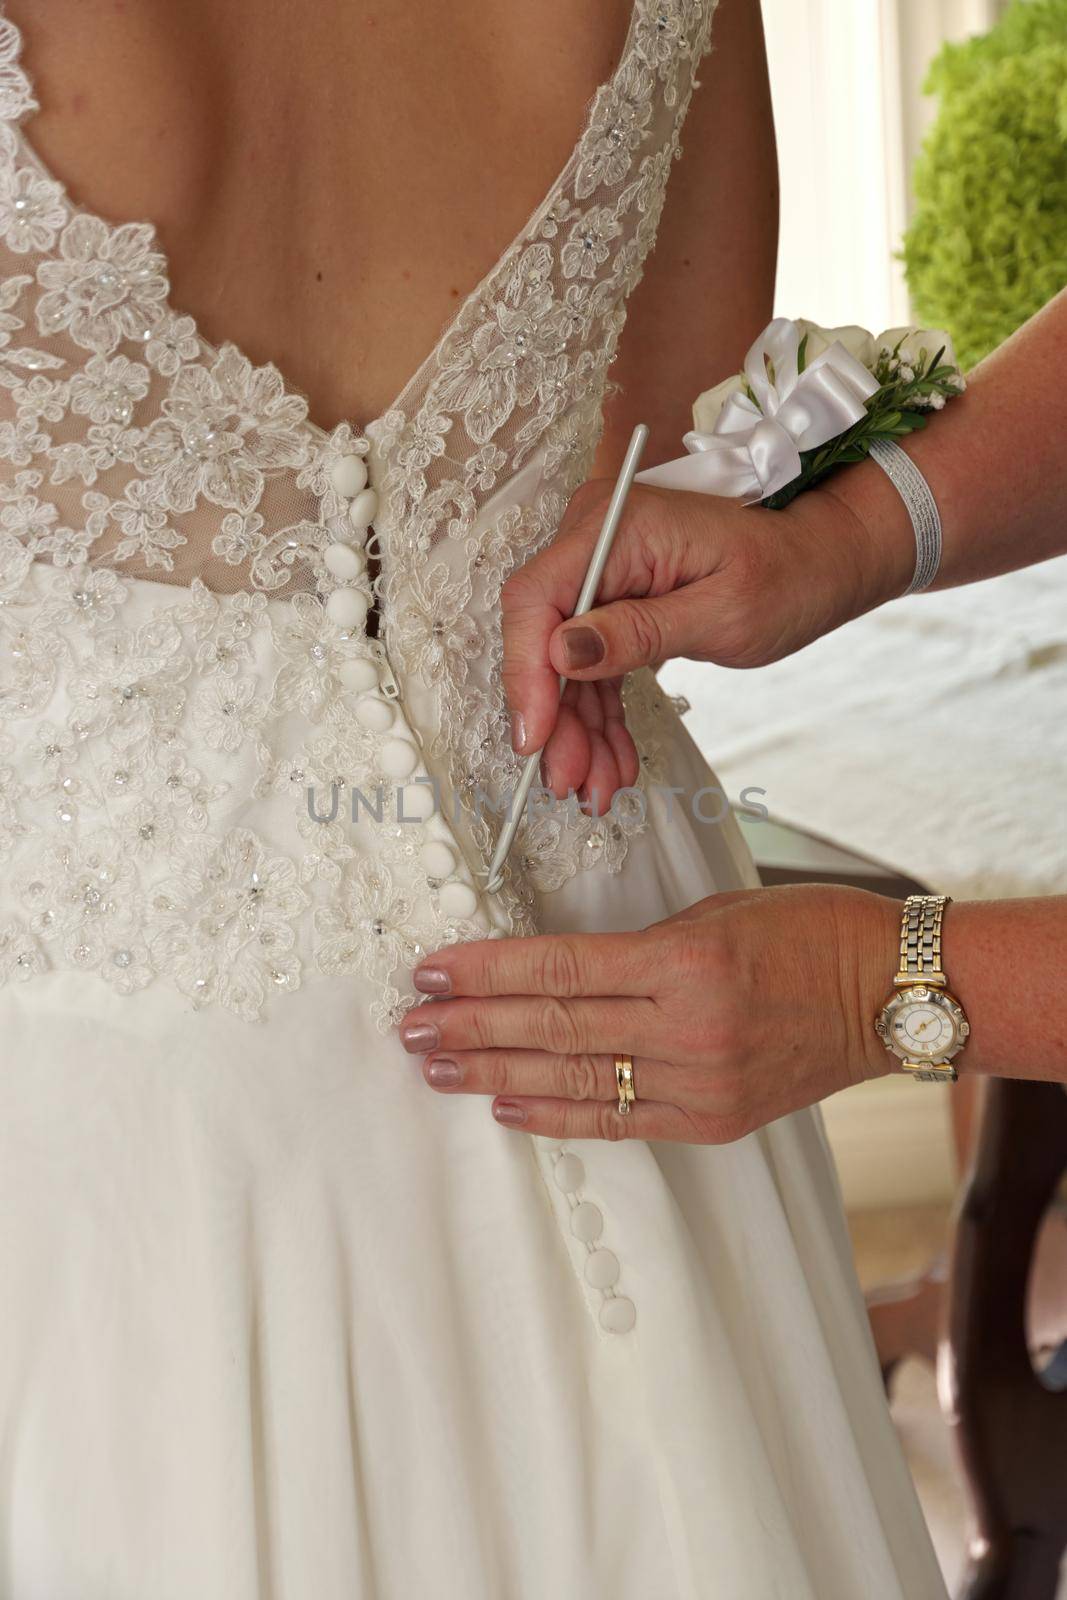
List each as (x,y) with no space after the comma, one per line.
(922,1022)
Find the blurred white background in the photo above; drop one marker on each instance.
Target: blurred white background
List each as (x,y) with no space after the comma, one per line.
(846,78)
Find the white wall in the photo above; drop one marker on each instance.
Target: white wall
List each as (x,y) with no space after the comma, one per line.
(835,258)
(846,80)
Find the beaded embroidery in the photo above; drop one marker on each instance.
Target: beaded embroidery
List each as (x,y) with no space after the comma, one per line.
(169,670)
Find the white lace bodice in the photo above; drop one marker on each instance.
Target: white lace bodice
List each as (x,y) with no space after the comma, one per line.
(184,664)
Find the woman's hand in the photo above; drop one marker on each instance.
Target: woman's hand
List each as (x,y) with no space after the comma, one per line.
(689,575)
(745,1007)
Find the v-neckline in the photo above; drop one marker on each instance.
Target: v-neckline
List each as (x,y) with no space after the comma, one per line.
(211,352)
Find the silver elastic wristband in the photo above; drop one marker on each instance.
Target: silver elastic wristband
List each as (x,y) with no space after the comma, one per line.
(917,495)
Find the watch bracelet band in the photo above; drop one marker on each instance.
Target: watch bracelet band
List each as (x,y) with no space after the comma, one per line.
(920,940)
(920,962)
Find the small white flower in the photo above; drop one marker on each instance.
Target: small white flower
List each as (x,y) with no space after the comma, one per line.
(226,711)
(84,596)
(32,211)
(222,924)
(21,957)
(108,389)
(617,126)
(435,634)
(367,927)
(52,751)
(240,538)
(222,430)
(182,788)
(106,285)
(589,242)
(173,342)
(225,634)
(312,649)
(41,399)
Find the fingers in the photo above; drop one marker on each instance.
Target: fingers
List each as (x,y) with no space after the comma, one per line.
(533,603)
(567,1097)
(602,779)
(566,964)
(532,1022)
(590,752)
(617,638)
(617,733)
(565,761)
(589,1076)
(663,541)
(575,1119)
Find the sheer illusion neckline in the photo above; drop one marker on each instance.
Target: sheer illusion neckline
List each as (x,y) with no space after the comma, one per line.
(212,351)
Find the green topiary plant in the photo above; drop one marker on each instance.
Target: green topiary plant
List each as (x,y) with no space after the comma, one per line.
(988,244)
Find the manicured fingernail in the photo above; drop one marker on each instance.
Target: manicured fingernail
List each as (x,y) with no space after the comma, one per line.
(509,1113)
(419,1037)
(582,647)
(432,980)
(518,733)
(444,1073)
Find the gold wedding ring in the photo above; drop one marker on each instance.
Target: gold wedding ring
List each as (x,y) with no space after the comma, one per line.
(624,1077)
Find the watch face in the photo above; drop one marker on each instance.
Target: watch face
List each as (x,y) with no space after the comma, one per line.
(923,1024)
(923,1029)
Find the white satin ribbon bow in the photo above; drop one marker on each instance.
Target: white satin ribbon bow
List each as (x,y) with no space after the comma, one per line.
(754,450)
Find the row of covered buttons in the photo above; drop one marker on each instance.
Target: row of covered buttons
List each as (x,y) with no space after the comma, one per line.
(398,756)
(617,1313)
(345,559)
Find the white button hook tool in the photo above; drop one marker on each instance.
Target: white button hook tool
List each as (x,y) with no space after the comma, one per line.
(586,599)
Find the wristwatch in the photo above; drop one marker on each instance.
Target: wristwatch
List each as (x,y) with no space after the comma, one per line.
(922,1022)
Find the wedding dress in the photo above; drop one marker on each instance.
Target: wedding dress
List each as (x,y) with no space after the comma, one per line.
(279,1321)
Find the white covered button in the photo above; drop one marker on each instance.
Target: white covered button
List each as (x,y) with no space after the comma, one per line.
(344,562)
(360,674)
(398,758)
(438,859)
(569,1173)
(418,802)
(457,899)
(602,1269)
(363,510)
(618,1314)
(349,475)
(374,713)
(348,608)
(586,1221)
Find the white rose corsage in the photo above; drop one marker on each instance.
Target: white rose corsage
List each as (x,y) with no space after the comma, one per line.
(809,400)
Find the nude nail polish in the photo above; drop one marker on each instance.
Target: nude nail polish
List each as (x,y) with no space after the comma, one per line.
(431,980)
(419,1037)
(444,1073)
(509,1113)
